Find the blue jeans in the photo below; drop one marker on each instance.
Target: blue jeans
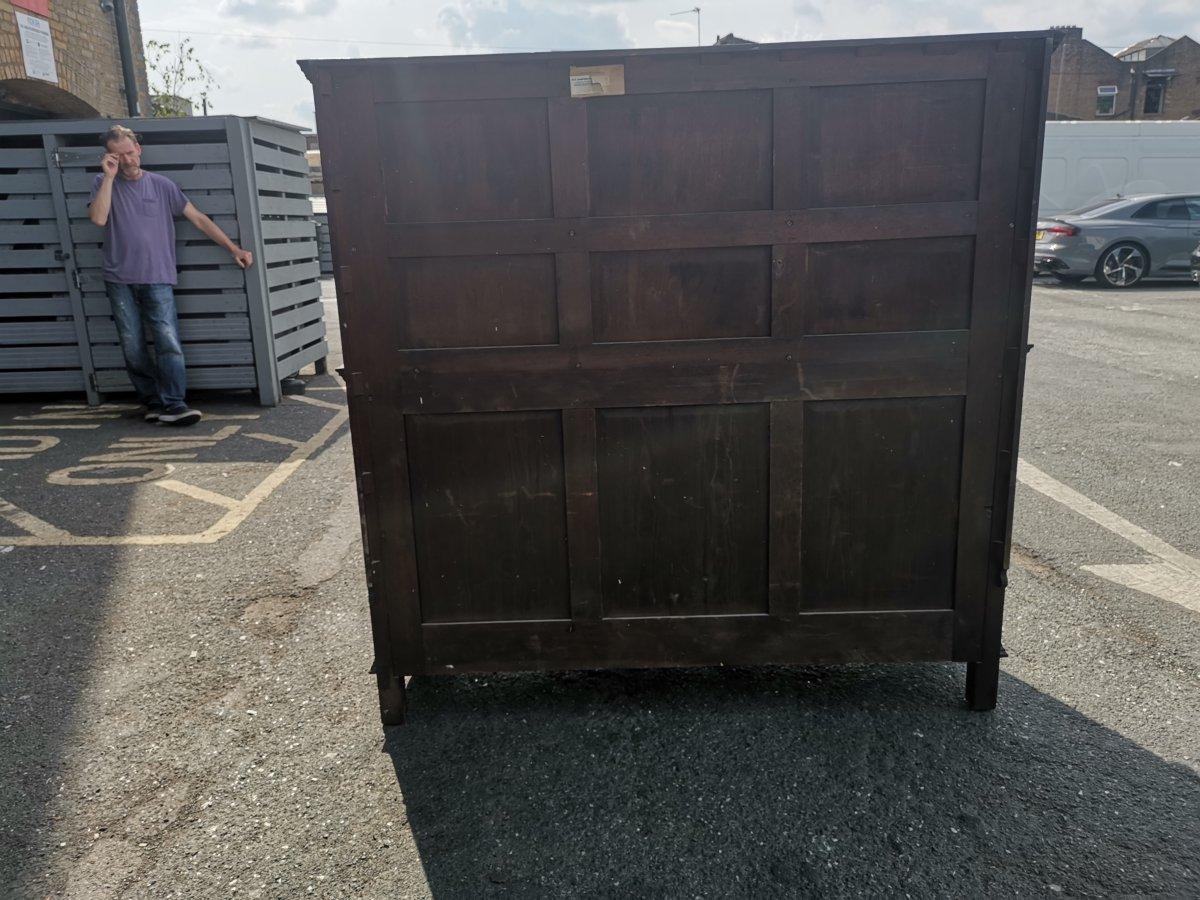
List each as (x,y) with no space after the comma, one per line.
(160,379)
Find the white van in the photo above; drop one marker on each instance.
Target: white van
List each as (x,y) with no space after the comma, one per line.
(1084,162)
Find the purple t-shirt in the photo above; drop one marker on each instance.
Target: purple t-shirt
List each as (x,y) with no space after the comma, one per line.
(139,239)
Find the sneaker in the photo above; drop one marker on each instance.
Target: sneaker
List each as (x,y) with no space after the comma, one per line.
(179,416)
(151,413)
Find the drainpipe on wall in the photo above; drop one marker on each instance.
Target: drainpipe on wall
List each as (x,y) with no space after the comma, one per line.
(131,88)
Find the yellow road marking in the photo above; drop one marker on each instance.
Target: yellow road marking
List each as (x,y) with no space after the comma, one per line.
(48,533)
(313,401)
(45,534)
(273,438)
(197,493)
(48,427)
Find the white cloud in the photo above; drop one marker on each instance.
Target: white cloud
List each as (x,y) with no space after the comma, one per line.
(521,25)
(276,11)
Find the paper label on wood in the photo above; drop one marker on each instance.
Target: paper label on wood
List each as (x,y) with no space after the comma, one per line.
(597,81)
(37,46)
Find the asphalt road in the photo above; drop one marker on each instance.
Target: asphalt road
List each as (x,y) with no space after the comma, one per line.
(194,718)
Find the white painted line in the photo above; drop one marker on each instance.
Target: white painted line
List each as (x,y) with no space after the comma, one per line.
(197,493)
(1090,509)
(1160,579)
(1175,577)
(5,457)
(326,388)
(215,418)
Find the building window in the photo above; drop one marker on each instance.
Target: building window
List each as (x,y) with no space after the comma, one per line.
(1153,104)
(1106,100)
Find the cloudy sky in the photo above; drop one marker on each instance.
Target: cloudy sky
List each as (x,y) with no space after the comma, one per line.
(251,45)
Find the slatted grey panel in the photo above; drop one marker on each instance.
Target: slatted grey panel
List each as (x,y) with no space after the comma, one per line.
(293,272)
(64,356)
(201,377)
(44,283)
(215,205)
(294,362)
(85,232)
(152,155)
(207,179)
(231,277)
(302,337)
(108,356)
(39,343)
(285,161)
(185,303)
(226,328)
(186,254)
(28,234)
(284,298)
(288,251)
(29,307)
(48,332)
(21,158)
(35,382)
(285,206)
(279,229)
(297,316)
(27,182)
(27,207)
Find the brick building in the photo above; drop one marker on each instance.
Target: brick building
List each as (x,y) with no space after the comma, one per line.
(86,55)
(1156,79)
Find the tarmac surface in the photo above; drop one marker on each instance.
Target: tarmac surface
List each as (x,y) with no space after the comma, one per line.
(185,708)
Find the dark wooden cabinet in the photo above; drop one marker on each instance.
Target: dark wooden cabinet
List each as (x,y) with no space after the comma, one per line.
(720,365)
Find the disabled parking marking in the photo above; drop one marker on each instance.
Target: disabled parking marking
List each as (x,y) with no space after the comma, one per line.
(39,533)
(1173,575)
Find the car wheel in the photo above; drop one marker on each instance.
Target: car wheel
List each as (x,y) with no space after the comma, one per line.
(1122,266)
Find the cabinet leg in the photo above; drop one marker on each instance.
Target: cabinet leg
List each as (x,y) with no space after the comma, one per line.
(983,679)
(393,699)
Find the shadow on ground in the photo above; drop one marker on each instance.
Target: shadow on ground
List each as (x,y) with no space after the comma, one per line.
(717,782)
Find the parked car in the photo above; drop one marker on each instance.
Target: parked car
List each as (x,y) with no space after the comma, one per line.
(1120,241)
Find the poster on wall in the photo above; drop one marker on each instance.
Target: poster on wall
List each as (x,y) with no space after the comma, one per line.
(37,47)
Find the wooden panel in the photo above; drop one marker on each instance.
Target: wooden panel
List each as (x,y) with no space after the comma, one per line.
(680,153)
(880,516)
(683,510)
(665,295)
(916,142)
(815,638)
(489,515)
(457,161)
(682,372)
(486,301)
(904,285)
(668,232)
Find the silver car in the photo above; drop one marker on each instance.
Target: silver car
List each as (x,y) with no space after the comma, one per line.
(1121,241)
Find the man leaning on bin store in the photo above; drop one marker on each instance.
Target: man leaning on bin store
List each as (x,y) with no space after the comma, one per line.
(137,210)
